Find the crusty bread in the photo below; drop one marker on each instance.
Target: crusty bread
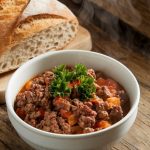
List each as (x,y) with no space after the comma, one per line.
(39,26)
(10,10)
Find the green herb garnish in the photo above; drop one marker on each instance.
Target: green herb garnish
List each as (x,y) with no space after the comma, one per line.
(86,88)
(60,87)
(64,77)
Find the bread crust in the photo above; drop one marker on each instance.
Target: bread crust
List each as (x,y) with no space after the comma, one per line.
(25,22)
(8,19)
(12,32)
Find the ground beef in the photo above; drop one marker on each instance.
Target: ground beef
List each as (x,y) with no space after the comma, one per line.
(89,104)
(48,77)
(29,108)
(88,130)
(30,96)
(124,97)
(116,114)
(32,122)
(101,106)
(35,115)
(38,89)
(47,94)
(103,115)
(82,109)
(20,100)
(104,92)
(44,103)
(66,128)
(86,121)
(39,80)
(61,103)
(50,122)
(97,129)
(70,115)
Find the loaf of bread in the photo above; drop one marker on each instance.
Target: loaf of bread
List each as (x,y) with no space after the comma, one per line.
(32,27)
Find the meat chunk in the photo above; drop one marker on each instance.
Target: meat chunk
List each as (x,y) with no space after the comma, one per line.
(104,92)
(30,120)
(101,106)
(101,109)
(61,103)
(123,96)
(88,130)
(87,111)
(20,100)
(29,108)
(39,80)
(116,114)
(48,77)
(50,122)
(103,115)
(54,127)
(65,127)
(48,116)
(89,104)
(44,103)
(30,96)
(47,93)
(86,121)
(82,109)
(36,114)
(38,89)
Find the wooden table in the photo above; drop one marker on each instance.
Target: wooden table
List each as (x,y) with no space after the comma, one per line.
(135,58)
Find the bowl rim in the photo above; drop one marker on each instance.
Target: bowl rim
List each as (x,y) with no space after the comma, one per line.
(10,107)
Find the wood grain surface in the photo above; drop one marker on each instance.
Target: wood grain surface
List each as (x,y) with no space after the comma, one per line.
(95,11)
(136,13)
(82,41)
(138,138)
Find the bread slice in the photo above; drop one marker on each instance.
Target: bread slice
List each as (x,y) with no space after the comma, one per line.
(10,11)
(50,26)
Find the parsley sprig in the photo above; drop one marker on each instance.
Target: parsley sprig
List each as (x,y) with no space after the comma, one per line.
(86,88)
(63,76)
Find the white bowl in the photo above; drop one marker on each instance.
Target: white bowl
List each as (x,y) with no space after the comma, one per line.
(42,140)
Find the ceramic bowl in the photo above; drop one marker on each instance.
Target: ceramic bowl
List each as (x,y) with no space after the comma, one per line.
(42,140)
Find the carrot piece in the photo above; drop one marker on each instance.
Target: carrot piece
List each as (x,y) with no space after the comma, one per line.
(113,101)
(28,85)
(102,124)
(72,120)
(101,81)
(65,114)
